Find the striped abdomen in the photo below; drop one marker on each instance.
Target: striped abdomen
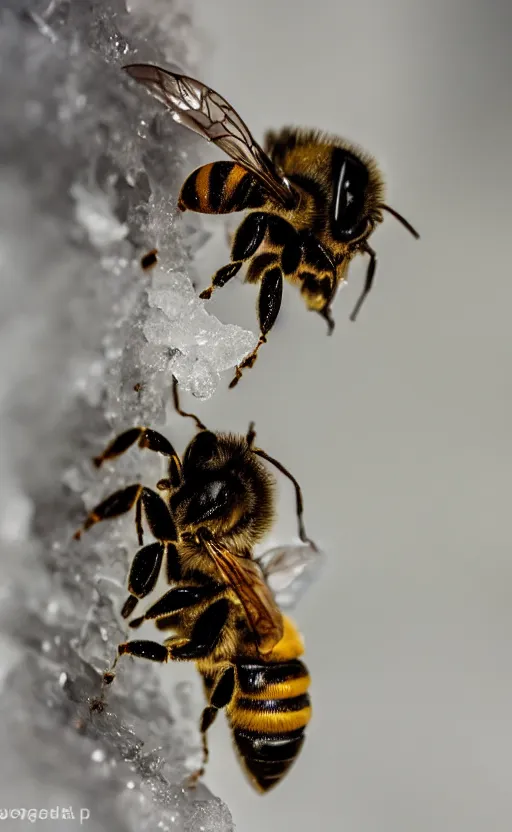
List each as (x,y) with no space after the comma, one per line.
(220,188)
(268,716)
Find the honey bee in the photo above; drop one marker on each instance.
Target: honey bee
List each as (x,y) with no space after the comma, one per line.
(313,200)
(219,504)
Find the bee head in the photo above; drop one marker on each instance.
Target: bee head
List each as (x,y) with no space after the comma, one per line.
(224,488)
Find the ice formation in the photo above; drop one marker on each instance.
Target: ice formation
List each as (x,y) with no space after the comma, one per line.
(88,344)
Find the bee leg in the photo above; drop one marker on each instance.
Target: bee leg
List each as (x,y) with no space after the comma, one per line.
(205,634)
(317,272)
(269,304)
(158,515)
(326,311)
(368,283)
(251,435)
(220,697)
(174,601)
(247,240)
(114,506)
(145,438)
(143,575)
(221,277)
(142,649)
(326,314)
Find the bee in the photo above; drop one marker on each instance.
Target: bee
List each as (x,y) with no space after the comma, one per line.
(219,503)
(313,201)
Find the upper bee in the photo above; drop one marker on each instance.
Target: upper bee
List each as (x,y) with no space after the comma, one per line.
(313,200)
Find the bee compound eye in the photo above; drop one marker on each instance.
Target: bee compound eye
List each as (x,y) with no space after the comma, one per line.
(350,183)
(209,500)
(202,448)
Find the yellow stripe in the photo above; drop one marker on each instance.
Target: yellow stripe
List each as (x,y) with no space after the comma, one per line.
(203,186)
(291,645)
(273,723)
(234,177)
(283,690)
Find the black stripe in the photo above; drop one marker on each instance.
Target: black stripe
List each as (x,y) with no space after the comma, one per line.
(189,195)
(247,194)
(276,706)
(254,677)
(218,175)
(268,747)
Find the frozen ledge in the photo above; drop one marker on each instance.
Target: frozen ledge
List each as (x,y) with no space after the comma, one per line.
(88,344)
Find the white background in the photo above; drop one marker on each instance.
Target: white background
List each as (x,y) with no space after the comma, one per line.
(399,426)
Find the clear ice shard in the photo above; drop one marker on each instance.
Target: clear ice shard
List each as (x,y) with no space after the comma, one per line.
(88,345)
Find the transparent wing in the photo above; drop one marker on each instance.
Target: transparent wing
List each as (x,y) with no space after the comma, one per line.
(290,571)
(245,577)
(204,111)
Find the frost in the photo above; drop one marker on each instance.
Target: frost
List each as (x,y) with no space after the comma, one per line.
(88,344)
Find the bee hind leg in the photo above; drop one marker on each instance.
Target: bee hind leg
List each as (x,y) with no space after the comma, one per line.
(220,697)
(269,304)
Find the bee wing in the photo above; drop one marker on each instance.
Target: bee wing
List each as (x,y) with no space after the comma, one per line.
(204,111)
(289,572)
(245,578)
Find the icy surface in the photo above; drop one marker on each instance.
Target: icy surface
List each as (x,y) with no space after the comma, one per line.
(88,344)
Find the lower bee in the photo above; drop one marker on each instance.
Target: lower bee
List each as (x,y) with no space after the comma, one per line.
(313,200)
(219,504)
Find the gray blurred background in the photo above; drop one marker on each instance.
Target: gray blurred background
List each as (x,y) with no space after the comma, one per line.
(398,426)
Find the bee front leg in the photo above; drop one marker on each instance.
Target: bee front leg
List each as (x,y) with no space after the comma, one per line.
(220,697)
(145,438)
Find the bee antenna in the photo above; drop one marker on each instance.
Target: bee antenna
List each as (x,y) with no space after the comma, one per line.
(401,219)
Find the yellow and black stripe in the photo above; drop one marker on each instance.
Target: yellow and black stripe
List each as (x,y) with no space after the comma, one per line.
(220,188)
(268,716)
